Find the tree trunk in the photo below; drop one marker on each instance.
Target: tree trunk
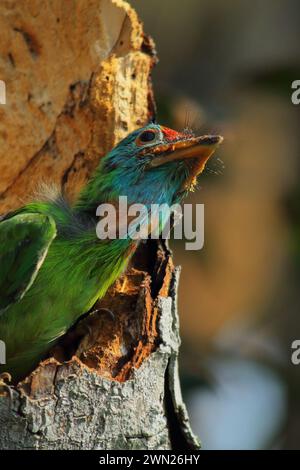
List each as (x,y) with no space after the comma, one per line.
(77,78)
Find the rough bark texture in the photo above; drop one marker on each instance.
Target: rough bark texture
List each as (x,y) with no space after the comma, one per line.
(78,80)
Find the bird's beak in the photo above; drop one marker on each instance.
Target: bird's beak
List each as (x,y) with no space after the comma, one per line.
(198,148)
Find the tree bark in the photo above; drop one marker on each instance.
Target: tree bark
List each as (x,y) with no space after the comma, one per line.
(77,76)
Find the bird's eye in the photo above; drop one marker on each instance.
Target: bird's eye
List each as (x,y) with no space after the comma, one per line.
(146,136)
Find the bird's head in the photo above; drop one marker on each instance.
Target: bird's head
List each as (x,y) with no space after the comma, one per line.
(153,164)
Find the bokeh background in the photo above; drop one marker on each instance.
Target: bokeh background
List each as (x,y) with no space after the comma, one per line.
(226,66)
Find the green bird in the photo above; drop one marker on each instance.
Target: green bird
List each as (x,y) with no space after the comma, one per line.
(53,266)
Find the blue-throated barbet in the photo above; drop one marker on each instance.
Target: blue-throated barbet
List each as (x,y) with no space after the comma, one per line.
(53,267)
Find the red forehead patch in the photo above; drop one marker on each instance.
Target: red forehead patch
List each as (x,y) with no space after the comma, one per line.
(171,135)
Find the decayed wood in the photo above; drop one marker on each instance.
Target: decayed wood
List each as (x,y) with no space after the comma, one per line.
(74,89)
(120,389)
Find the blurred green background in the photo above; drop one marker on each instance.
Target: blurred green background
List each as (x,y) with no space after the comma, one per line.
(227,66)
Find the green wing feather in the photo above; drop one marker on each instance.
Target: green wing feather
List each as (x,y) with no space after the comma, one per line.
(24,242)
